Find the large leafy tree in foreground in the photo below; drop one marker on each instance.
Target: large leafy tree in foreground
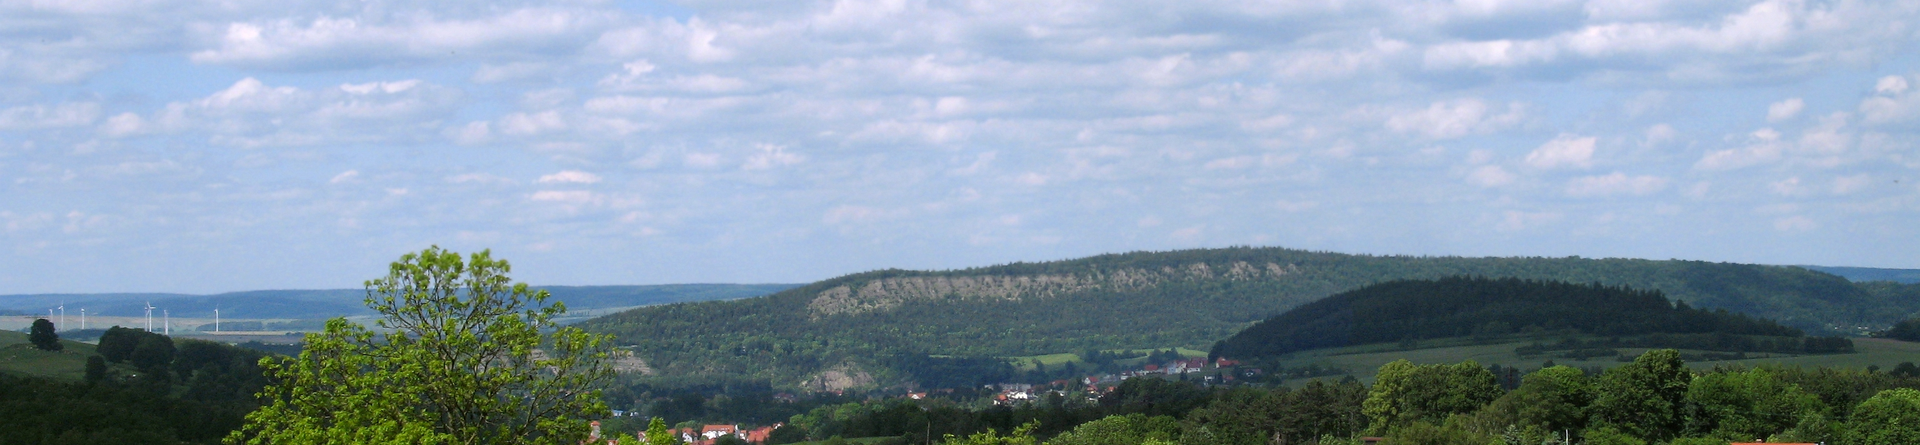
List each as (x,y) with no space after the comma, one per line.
(464,362)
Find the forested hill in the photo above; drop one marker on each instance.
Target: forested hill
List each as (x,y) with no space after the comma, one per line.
(1462,306)
(861,323)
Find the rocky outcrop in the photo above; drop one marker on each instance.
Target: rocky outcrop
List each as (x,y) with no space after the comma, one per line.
(839,378)
(888,293)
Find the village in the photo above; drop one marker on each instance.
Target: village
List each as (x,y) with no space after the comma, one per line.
(1199,370)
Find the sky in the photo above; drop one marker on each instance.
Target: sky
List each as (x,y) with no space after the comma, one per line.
(208,146)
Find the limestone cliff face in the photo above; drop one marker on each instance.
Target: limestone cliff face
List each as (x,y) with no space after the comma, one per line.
(887,293)
(839,378)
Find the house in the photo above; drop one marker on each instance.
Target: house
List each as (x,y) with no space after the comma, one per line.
(711,432)
(916,395)
(761,434)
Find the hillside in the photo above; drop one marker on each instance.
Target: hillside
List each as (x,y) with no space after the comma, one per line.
(864,328)
(1462,306)
(1903,276)
(328,303)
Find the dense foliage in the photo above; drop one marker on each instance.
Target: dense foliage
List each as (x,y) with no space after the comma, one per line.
(42,335)
(45,411)
(1463,306)
(1905,330)
(196,394)
(1654,400)
(1195,300)
(469,357)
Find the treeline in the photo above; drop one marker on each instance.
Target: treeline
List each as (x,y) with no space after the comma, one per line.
(53,412)
(1905,330)
(142,388)
(1706,342)
(1467,306)
(1655,399)
(778,338)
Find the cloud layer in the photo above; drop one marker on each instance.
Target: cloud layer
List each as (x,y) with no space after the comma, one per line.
(191,146)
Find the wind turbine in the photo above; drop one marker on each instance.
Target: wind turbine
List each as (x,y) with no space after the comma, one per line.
(166,322)
(149,316)
(216,318)
(83,319)
(63,314)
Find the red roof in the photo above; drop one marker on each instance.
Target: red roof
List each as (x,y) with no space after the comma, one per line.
(759,435)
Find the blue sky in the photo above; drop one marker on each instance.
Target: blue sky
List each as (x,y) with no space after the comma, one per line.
(196,146)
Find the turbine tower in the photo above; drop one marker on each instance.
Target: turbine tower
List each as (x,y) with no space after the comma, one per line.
(83,319)
(216,318)
(166,322)
(63,315)
(149,316)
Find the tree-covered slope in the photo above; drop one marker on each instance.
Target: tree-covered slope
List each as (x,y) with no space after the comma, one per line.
(840,328)
(1462,306)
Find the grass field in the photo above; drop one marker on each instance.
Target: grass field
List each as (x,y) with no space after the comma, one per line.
(17,356)
(1025,363)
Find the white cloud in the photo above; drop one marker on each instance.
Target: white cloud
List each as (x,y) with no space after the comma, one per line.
(1764,147)
(1614,184)
(251,113)
(355,42)
(1795,223)
(563,196)
(35,117)
(1788,187)
(570,177)
(1658,134)
(1847,185)
(1514,220)
(1893,102)
(770,156)
(1891,85)
(1785,109)
(123,125)
(702,160)
(1490,176)
(1564,151)
(1457,118)
(531,124)
(846,214)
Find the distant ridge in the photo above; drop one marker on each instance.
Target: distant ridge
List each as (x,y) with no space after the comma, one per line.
(328,303)
(871,326)
(1904,276)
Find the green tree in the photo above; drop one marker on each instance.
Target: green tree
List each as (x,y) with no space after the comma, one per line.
(1645,398)
(43,337)
(152,354)
(1552,399)
(1404,393)
(1746,405)
(659,434)
(464,361)
(1608,435)
(1890,417)
(1131,429)
(1423,433)
(96,369)
(1020,436)
(117,343)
